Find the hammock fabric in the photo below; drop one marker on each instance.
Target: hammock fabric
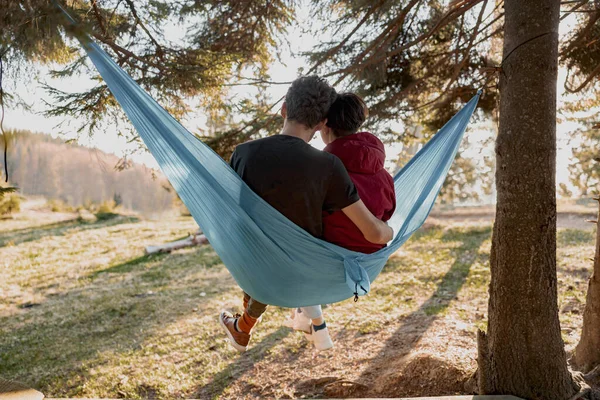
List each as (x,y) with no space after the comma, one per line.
(272,259)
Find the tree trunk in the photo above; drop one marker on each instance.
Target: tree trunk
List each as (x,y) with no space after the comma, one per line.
(587,352)
(523,353)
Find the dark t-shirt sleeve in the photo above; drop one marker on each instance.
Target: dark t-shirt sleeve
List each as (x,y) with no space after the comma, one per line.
(341,191)
(234,162)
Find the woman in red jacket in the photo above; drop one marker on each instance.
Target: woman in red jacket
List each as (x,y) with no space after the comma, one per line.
(363,156)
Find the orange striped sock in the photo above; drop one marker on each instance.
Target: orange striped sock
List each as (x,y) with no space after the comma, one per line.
(245,323)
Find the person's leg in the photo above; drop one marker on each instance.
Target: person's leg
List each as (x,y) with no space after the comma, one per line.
(289,322)
(319,332)
(252,313)
(238,326)
(314,313)
(246,301)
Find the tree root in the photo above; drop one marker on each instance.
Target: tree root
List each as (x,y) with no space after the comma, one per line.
(584,388)
(594,374)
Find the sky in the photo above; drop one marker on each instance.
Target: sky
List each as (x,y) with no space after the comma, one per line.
(289,67)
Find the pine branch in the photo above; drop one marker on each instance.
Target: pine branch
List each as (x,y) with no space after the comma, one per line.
(159,49)
(6,190)
(450,16)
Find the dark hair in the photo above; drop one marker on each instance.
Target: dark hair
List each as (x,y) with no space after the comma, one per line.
(347,113)
(308,100)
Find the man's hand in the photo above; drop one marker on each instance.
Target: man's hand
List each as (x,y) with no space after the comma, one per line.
(373,229)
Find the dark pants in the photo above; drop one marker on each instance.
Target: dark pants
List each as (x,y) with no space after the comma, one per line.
(254,308)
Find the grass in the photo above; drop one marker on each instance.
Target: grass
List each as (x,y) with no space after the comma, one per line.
(83,313)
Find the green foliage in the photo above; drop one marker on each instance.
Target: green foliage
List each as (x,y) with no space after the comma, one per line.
(415,62)
(580,51)
(585,169)
(105,216)
(10,204)
(117,199)
(260,121)
(106,207)
(580,54)
(103,211)
(564,191)
(419,62)
(58,205)
(460,188)
(401,56)
(219,40)
(6,190)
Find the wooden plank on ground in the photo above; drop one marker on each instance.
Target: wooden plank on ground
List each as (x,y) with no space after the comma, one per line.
(11,390)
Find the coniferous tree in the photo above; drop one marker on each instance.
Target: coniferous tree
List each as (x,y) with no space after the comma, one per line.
(212,45)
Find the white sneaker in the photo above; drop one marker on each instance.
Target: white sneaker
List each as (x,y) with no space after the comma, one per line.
(289,321)
(321,339)
(302,322)
(299,322)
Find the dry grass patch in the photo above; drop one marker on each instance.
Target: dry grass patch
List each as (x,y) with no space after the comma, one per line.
(83,313)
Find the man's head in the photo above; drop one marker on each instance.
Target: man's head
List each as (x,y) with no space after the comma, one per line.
(308,100)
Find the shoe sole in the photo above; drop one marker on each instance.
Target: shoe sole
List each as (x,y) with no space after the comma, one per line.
(232,341)
(288,323)
(329,346)
(299,328)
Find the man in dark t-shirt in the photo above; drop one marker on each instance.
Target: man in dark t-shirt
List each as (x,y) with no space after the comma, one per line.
(299,181)
(296,179)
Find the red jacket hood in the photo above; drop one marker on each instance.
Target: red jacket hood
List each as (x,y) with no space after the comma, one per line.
(361,152)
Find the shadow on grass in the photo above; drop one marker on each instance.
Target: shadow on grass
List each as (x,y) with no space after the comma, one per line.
(438,303)
(128,266)
(574,237)
(241,365)
(206,253)
(54,346)
(24,235)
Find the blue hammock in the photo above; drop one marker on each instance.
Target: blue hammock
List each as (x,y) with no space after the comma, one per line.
(272,259)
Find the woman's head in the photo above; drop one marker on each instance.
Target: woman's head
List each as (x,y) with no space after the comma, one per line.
(346,115)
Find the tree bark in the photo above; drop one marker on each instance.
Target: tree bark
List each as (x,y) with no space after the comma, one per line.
(523,353)
(587,352)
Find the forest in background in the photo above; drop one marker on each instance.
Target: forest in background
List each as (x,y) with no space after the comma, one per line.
(44,166)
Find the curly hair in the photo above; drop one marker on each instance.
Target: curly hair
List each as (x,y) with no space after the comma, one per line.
(308,100)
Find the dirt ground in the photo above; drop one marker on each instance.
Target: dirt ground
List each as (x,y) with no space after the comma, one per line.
(568,217)
(83,313)
(418,354)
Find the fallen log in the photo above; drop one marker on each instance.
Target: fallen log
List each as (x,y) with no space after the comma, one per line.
(195,239)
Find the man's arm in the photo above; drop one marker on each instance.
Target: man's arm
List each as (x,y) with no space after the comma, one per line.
(374,230)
